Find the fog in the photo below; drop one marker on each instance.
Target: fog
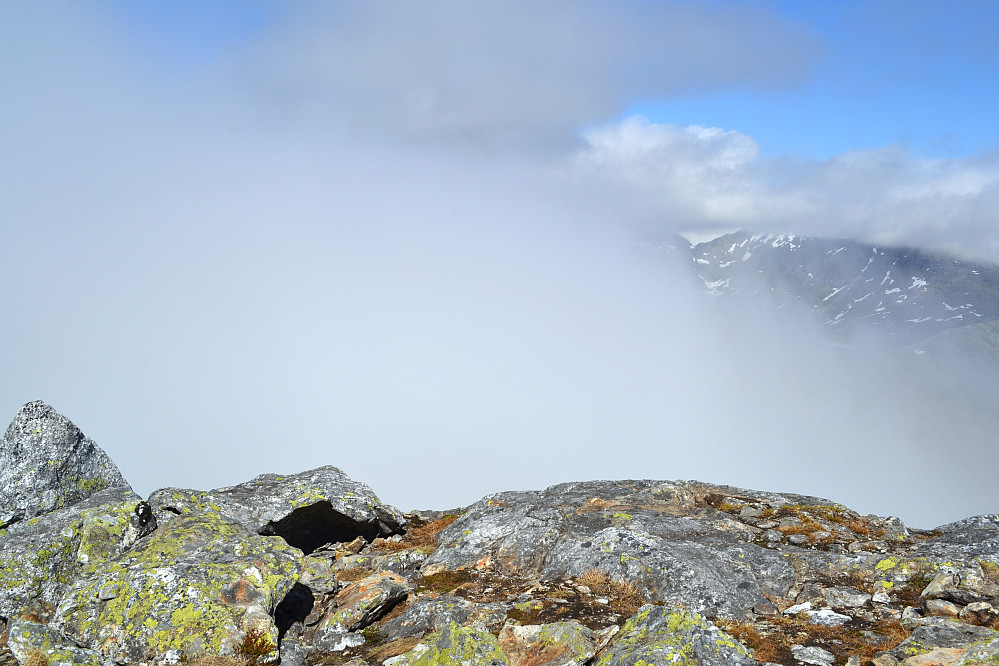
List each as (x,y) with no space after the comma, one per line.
(439,279)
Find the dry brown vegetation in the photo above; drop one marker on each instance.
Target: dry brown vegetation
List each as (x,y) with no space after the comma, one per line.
(36,658)
(353,574)
(626,598)
(771,640)
(420,535)
(208,660)
(445,582)
(380,653)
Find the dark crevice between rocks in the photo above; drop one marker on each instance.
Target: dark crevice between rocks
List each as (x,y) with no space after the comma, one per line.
(318,524)
(293,609)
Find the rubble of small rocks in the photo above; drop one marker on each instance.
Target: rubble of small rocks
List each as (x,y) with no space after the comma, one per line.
(312,568)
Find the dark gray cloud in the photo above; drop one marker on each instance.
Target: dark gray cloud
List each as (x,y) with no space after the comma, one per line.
(521,72)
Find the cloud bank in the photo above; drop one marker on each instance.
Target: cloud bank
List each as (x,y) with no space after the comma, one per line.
(403,242)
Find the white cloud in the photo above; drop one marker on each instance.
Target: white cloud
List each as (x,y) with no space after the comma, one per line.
(680,177)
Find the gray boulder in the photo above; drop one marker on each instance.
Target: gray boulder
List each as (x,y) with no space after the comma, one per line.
(653,535)
(46,463)
(308,510)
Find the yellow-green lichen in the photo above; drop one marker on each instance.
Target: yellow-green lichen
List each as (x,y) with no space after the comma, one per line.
(165,598)
(887,563)
(457,645)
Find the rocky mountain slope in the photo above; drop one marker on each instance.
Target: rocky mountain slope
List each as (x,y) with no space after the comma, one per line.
(907,296)
(312,568)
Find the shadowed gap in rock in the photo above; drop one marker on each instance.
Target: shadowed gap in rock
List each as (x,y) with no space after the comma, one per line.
(316,525)
(294,608)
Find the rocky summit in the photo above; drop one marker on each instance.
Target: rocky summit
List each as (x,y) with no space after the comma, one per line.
(312,568)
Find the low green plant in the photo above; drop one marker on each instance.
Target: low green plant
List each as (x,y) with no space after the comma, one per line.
(255,648)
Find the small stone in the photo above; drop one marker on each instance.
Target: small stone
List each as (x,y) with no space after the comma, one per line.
(881,597)
(942,607)
(765,609)
(798,539)
(827,618)
(815,656)
(980,612)
(884,660)
(798,608)
(750,512)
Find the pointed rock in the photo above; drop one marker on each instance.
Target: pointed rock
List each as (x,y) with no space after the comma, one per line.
(46,463)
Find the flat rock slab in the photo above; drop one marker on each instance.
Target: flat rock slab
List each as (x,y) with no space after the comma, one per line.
(308,510)
(46,463)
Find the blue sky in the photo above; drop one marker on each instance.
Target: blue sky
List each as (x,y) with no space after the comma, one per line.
(924,74)
(921,73)
(401,237)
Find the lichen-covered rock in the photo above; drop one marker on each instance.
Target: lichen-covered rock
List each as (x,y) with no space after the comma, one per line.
(660,635)
(467,646)
(308,510)
(26,636)
(556,644)
(196,585)
(964,584)
(42,556)
(938,633)
(46,463)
